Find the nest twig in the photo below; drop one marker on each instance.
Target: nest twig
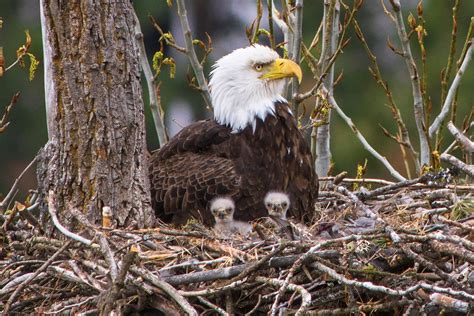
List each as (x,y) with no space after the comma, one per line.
(350,261)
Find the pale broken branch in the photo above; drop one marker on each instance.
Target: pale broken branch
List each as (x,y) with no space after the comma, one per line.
(59,226)
(453,144)
(449,302)
(297,39)
(467,169)
(466,143)
(434,128)
(108,255)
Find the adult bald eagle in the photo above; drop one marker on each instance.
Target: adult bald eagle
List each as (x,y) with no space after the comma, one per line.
(252,145)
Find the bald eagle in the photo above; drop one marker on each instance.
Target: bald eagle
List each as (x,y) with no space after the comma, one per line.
(250,147)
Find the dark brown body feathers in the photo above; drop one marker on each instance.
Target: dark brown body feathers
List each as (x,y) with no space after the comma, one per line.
(206,160)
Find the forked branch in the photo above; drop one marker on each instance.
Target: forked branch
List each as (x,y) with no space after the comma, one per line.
(415,82)
(451,92)
(361,138)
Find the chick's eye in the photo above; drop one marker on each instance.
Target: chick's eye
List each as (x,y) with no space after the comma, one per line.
(258,67)
(284,204)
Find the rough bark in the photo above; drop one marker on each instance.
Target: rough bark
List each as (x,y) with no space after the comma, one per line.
(96,153)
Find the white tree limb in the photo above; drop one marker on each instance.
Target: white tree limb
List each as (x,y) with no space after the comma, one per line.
(466,143)
(451,92)
(287,30)
(415,82)
(449,302)
(59,226)
(297,38)
(467,169)
(329,46)
(50,88)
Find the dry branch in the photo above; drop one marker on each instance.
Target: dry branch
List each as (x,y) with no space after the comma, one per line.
(434,128)
(415,81)
(4,120)
(467,169)
(466,143)
(361,138)
(191,53)
(13,189)
(155,104)
(57,224)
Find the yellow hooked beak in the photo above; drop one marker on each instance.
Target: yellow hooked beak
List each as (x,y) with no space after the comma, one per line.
(283,68)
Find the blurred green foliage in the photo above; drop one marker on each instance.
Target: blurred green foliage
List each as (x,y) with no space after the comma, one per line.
(360,97)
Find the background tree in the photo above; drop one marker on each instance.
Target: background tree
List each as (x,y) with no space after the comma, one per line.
(96,153)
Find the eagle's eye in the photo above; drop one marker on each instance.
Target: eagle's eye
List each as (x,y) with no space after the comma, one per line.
(258,67)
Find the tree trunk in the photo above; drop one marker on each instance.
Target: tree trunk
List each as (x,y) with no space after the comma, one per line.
(96,153)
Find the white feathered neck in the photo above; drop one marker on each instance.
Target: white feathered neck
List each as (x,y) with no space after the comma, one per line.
(238,95)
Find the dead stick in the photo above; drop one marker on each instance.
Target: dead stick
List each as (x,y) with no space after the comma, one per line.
(12,191)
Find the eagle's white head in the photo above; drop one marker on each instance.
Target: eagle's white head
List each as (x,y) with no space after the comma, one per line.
(222,208)
(246,83)
(277,204)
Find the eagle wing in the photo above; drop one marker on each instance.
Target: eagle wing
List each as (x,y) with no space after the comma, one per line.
(187,171)
(197,137)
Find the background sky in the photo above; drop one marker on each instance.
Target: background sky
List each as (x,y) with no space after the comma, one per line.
(225,21)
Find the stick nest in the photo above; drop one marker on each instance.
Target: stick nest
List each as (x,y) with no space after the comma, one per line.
(404,248)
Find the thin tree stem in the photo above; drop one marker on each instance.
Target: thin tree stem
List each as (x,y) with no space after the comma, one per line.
(297,38)
(270,23)
(362,139)
(156,110)
(330,38)
(434,128)
(415,82)
(191,53)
